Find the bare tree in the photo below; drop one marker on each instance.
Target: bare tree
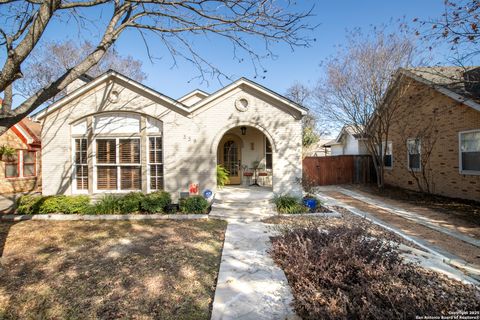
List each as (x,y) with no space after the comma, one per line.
(459,26)
(357,83)
(22,24)
(302,95)
(50,60)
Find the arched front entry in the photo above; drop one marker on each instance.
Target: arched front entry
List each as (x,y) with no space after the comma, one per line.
(247,154)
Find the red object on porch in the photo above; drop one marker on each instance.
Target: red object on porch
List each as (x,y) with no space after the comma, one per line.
(193,189)
(248,174)
(262,174)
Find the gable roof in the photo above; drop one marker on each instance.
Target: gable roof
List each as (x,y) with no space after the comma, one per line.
(350,130)
(170,102)
(451,81)
(29,132)
(197,92)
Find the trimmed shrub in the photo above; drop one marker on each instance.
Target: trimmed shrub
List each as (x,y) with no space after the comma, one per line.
(156,202)
(346,273)
(194,204)
(28,204)
(130,203)
(289,204)
(53,204)
(76,204)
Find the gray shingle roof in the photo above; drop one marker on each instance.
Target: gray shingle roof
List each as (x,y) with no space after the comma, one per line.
(464,81)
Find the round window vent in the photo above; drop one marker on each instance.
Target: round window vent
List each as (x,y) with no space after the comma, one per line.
(241,104)
(113,96)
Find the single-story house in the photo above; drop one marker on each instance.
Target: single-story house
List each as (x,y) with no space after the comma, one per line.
(317,149)
(21,172)
(348,142)
(434,137)
(113,134)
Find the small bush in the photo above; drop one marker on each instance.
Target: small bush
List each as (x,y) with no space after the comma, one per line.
(28,204)
(76,204)
(194,204)
(345,273)
(53,204)
(108,204)
(156,202)
(130,203)
(289,204)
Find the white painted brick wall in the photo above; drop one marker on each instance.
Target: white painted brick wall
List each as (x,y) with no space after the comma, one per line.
(190,143)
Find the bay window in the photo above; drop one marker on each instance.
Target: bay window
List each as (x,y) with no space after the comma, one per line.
(126,150)
(470,152)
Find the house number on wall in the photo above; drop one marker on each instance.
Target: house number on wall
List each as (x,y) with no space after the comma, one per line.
(189,139)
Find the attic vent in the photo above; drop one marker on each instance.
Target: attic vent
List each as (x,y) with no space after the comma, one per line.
(472,81)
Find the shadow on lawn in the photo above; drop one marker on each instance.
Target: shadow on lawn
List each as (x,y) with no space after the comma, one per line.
(108,270)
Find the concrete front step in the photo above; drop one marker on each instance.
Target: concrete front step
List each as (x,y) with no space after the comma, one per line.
(230,206)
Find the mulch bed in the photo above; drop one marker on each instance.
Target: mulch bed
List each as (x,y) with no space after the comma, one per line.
(351,272)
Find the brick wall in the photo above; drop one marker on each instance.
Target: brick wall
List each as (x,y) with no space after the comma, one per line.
(20,184)
(440,119)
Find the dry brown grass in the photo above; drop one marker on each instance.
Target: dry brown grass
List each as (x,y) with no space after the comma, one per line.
(109,270)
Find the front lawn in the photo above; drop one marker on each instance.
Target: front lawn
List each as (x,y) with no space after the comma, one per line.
(109,270)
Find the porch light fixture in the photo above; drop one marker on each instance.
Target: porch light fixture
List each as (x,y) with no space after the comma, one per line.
(244,130)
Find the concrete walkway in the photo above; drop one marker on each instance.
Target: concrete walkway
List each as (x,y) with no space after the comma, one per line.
(250,285)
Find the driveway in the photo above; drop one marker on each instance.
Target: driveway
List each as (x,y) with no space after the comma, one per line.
(459,241)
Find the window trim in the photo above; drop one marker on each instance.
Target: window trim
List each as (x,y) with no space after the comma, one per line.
(381,152)
(117,163)
(460,169)
(420,154)
(74,165)
(29,163)
(19,167)
(148,163)
(265,152)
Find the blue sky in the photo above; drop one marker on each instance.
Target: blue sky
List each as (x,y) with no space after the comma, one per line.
(302,65)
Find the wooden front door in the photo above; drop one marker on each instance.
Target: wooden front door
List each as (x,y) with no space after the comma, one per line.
(230,158)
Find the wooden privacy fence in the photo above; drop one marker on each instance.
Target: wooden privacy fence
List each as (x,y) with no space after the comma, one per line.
(321,171)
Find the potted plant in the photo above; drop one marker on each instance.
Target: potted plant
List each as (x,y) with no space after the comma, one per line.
(223,176)
(311,202)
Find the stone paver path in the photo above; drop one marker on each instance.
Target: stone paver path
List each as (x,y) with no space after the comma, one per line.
(250,285)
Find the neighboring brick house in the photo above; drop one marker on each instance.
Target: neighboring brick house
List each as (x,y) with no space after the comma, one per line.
(21,172)
(434,138)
